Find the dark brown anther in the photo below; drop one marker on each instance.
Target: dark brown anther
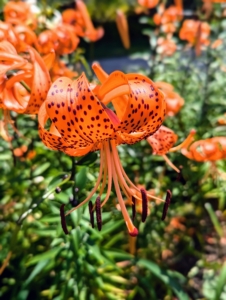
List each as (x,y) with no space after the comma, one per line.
(91,213)
(144,205)
(133,207)
(63,220)
(58,190)
(166,204)
(98,213)
(180,177)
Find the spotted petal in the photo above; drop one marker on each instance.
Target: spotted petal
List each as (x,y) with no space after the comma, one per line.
(76,111)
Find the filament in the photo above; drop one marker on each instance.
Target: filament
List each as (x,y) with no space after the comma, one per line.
(95,187)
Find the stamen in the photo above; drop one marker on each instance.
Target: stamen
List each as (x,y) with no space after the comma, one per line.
(180,177)
(133,207)
(109,167)
(91,213)
(95,187)
(63,220)
(131,228)
(122,174)
(98,213)
(170,163)
(166,205)
(144,205)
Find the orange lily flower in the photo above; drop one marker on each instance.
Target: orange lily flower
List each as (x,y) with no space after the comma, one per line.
(59,69)
(166,46)
(7,34)
(72,17)
(173,100)
(190,29)
(26,87)
(18,12)
(167,18)
(123,28)
(61,39)
(162,142)
(148,3)
(216,1)
(207,7)
(47,41)
(211,149)
(26,37)
(82,122)
(90,32)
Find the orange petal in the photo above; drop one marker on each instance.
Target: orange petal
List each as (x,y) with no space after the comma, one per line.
(49,59)
(40,84)
(162,140)
(74,109)
(52,140)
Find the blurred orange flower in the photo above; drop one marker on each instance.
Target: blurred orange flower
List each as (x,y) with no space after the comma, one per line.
(217,43)
(148,3)
(7,33)
(166,46)
(162,142)
(61,39)
(90,32)
(192,31)
(168,18)
(211,149)
(73,17)
(24,81)
(19,12)
(174,102)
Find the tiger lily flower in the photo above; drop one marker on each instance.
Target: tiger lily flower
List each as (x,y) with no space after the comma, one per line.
(82,122)
(192,31)
(167,18)
(211,149)
(148,3)
(174,102)
(19,12)
(7,34)
(24,83)
(61,39)
(26,37)
(162,142)
(166,46)
(73,17)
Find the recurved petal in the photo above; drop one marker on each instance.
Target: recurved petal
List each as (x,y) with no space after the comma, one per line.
(74,109)
(49,59)
(162,140)
(145,108)
(52,138)
(40,83)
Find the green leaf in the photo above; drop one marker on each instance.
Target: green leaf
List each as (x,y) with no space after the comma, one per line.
(41,169)
(221,282)
(88,159)
(44,256)
(81,178)
(170,278)
(37,269)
